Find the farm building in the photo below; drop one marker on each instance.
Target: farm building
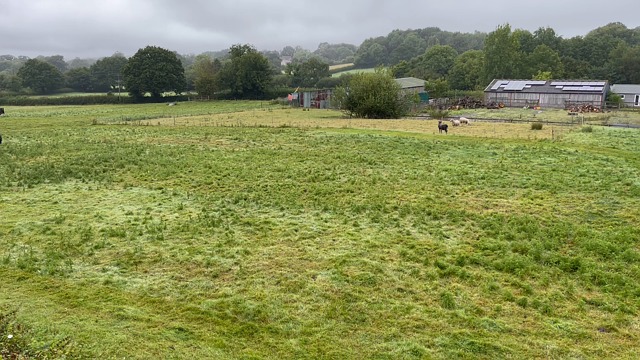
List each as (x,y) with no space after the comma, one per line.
(318,99)
(552,93)
(413,85)
(629,93)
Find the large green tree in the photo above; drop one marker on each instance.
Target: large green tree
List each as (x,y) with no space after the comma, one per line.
(435,63)
(373,95)
(57,61)
(40,76)
(79,79)
(10,83)
(411,46)
(307,73)
(466,73)
(501,54)
(336,53)
(624,65)
(247,74)
(599,43)
(206,75)
(437,88)
(544,59)
(526,41)
(547,36)
(154,70)
(106,73)
(371,53)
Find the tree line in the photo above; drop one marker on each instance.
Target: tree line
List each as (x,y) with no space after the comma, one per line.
(446,60)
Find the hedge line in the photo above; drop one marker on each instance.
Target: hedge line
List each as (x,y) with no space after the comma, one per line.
(112,99)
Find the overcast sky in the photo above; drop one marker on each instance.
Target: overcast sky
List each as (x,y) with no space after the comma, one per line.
(93,29)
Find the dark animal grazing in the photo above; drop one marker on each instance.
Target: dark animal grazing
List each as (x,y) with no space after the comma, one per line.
(442,127)
(0,138)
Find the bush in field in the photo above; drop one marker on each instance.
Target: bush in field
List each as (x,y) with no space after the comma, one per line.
(536,126)
(373,95)
(587,129)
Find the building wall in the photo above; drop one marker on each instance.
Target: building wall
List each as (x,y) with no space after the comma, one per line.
(630,99)
(415,90)
(519,99)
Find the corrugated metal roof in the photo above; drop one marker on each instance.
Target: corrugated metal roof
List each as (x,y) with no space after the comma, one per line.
(625,89)
(546,87)
(410,82)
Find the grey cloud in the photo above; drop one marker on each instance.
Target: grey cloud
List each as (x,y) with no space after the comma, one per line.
(91,28)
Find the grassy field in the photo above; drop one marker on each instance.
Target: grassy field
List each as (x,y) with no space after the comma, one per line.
(340,66)
(353,71)
(241,230)
(553,115)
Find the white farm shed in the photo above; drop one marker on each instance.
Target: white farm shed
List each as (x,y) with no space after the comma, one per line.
(547,93)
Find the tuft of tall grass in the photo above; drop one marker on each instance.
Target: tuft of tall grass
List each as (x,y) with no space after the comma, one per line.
(536,126)
(447,300)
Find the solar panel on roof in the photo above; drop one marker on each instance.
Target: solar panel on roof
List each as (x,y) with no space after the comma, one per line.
(515,86)
(582,88)
(498,84)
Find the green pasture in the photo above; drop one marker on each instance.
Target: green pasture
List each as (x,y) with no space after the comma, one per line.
(243,230)
(353,71)
(340,66)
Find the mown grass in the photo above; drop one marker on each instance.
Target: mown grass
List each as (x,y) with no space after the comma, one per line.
(623,116)
(285,234)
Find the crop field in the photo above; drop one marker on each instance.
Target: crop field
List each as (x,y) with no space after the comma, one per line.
(243,230)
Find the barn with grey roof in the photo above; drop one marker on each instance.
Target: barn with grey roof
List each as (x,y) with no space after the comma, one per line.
(547,93)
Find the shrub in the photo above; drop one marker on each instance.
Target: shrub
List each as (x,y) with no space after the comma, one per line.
(374,96)
(536,126)
(587,129)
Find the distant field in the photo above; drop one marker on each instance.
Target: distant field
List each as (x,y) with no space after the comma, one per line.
(244,230)
(340,66)
(353,71)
